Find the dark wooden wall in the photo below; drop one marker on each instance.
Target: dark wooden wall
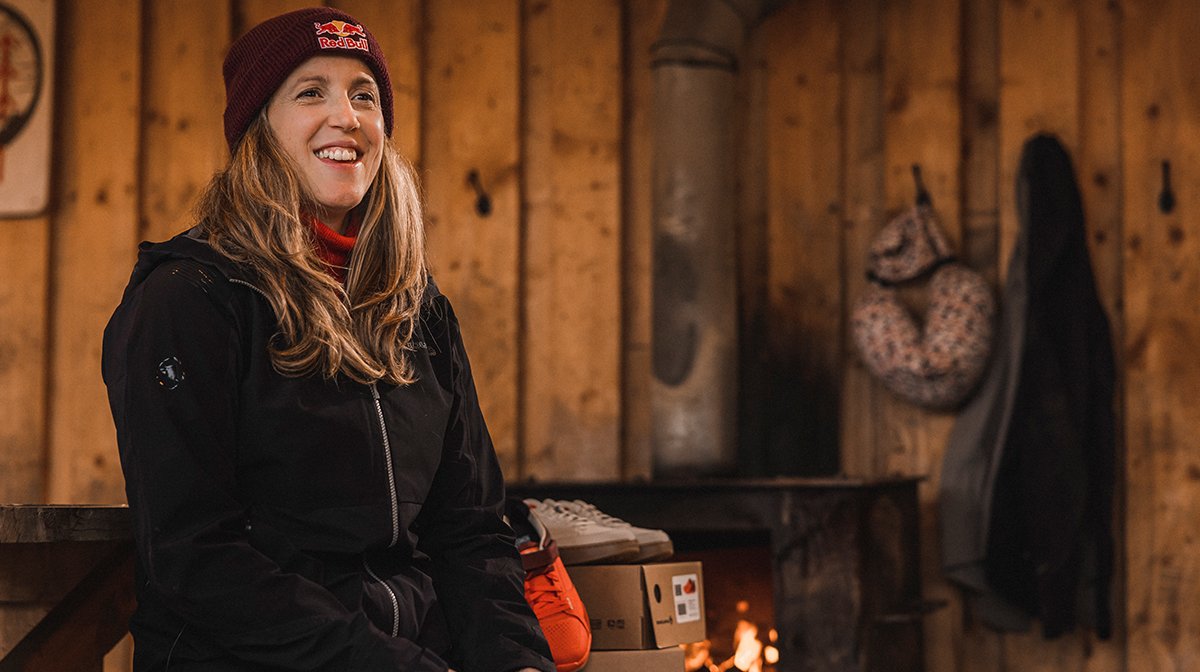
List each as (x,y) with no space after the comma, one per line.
(548,101)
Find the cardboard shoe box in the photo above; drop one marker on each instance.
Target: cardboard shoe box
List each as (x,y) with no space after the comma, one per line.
(642,606)
(654,660)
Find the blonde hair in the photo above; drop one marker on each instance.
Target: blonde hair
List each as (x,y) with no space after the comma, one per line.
(254,212)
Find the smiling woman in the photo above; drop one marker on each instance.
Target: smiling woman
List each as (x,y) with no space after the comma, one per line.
(311,478)
(327,118)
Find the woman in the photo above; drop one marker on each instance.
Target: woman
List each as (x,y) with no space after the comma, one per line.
(311,480)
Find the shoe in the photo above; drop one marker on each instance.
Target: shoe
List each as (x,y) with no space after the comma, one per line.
(581,540)
(549,590)
(652,544)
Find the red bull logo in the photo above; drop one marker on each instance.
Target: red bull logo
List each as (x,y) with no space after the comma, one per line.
(349,35)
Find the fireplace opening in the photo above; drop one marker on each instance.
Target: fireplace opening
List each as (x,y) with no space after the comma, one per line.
(739,606)
(824,571)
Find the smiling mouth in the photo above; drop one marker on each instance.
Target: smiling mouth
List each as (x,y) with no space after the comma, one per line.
(339,154)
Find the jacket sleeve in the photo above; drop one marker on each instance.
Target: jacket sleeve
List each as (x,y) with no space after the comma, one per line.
(477,572)
(171,358)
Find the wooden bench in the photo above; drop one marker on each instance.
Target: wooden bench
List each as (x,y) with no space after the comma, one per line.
(66,585)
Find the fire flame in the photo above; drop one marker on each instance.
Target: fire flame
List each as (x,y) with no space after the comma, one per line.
(750,653)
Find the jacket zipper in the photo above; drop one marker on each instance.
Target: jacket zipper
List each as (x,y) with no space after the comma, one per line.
(260,292)
(387,459)
(391,474)
(387,447)
(391,594)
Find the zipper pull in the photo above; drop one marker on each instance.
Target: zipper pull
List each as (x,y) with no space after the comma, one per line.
(374,392)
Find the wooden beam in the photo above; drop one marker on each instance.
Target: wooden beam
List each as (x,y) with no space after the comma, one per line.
(183,138)
(85,625)
(249,13)
(24,282)
(571,277)
(1162,375)
(863,451)
(804,238)
(94,237)
(643,21)
(754,369)
(472,92)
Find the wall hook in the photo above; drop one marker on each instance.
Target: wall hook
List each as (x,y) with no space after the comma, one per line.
(483,202)
(922,193)
(1166,198)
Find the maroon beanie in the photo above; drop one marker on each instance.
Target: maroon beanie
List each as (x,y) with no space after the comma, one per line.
(260,61)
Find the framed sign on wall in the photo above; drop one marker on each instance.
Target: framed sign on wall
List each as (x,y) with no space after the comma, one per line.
(26,71)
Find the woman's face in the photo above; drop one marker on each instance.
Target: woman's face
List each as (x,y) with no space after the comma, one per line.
(326,116)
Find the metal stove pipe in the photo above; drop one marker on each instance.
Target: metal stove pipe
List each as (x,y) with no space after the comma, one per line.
(695,323)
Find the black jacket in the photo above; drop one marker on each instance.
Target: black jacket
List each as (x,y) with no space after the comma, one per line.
(288,523)
(1029,471)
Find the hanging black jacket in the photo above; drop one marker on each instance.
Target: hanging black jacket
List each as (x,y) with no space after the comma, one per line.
(288,523)
(1029,470)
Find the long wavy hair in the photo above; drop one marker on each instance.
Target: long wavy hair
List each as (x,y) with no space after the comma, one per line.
(255,213)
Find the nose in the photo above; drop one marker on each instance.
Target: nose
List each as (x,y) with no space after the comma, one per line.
(342,114)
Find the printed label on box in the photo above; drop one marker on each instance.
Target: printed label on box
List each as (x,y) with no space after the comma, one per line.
(686,588)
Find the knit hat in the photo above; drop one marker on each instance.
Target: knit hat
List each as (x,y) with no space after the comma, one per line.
(260,61)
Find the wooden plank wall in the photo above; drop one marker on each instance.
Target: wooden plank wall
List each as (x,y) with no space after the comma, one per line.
(547,101)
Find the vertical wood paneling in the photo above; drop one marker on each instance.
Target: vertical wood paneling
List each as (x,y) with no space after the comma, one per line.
(95,218)
(1161,121)
(754,371)
(643,20)
(923,126)
(24,276)
(1099,172)
(183,140)
(862,446)
(250,13)
(399,27)
(978,648)
(1039,73)
(804,176)
(471,95)
(571,373)
(981,136)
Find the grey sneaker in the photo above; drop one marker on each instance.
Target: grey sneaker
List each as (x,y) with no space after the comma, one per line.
(652,544)
(581,540)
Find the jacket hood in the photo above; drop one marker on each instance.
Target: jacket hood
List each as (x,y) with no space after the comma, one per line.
(188,245)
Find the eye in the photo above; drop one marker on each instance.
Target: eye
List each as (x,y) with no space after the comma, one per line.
(312,92)
(365,96)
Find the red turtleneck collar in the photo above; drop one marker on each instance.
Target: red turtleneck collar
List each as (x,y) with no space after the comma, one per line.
(334,248)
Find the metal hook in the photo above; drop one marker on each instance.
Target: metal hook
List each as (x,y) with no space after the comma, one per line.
(1166,198)
(923,197)
(483,202)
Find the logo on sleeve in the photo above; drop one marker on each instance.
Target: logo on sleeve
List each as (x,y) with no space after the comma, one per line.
(170,373)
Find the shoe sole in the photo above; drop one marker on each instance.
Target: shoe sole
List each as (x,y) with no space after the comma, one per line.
(658,550)
(609,551)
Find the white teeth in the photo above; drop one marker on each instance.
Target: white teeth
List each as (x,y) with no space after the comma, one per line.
(336,154)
